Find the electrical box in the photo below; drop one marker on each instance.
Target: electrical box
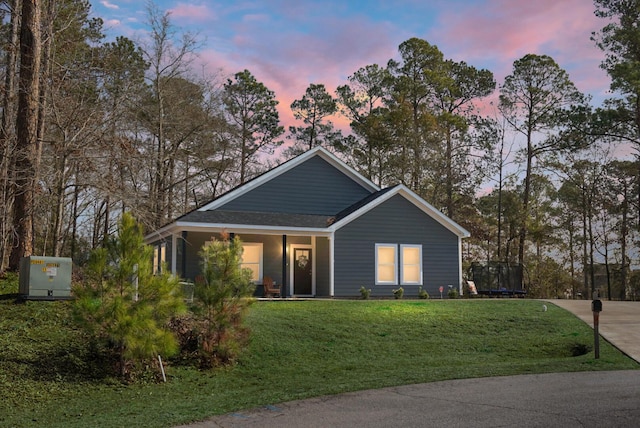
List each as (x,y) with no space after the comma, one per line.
(45,278)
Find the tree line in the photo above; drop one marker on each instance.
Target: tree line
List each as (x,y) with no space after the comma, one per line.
(92,128)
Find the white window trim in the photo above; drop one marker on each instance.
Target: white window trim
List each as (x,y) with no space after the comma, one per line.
(402,247)
(261,259)
(156,258)
(395,248)
(159,257)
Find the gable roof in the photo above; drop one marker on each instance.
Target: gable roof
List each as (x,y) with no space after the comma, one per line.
(384,195)
(210,216)
(287,166)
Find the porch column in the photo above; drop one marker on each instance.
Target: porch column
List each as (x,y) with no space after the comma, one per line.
(283,292)
(331,266)
(460,289)
(183,273)
(174,254)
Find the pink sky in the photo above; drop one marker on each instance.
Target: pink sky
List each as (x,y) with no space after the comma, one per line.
(288,44)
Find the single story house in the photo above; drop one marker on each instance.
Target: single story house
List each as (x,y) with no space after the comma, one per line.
(317,227)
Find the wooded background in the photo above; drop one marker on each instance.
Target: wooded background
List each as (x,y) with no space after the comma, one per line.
(93,127)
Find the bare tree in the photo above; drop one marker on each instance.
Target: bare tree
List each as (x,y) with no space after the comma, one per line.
(7,132)
(26,131)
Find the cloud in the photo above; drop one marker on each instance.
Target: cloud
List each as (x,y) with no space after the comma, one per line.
(112,23)
(322,49)
(290,44)
(495,33)
(109,5)
(191,12)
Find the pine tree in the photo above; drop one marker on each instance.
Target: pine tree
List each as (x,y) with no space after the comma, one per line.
(223,297)
(125,306)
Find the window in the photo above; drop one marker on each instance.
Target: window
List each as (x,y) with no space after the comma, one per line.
(411,264)
(252,259)
(159,257)
(386,264)
(409,267)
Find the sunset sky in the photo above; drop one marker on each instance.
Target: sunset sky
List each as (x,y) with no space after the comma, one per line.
(288,44)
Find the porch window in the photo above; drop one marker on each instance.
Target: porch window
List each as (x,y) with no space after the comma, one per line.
(159,257)
(386,264)
(411,264)
(252,259)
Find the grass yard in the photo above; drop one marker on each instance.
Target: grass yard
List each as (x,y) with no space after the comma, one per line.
(299,349)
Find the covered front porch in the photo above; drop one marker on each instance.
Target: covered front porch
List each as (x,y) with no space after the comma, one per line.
(298,261)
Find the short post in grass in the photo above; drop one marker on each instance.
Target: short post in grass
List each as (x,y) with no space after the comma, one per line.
(596,308)
(441,290)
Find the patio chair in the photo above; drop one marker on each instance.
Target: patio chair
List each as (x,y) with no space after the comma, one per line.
(270,288)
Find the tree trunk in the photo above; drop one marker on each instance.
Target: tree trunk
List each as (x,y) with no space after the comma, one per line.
(585,259)
(525,201)
(626,289)
(449,175)
(60,200)
(27,132)
(7,135)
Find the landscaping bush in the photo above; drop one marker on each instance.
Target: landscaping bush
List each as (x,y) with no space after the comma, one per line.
(422,294)
(365,292)
(9,283)
(398,293)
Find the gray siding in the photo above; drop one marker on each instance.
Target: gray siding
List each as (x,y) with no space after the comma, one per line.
(322,267)
(314,187)
(193,245)
(396,221)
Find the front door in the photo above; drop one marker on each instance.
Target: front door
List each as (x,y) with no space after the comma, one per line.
(302,273)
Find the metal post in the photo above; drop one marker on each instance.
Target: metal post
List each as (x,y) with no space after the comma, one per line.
(596,308)
(596,335)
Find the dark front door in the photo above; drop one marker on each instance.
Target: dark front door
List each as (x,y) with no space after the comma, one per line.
(302,284)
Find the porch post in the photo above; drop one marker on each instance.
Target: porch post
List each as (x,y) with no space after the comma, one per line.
(174,254)
(184,254)
(283,292)
(460,288)
(331,266)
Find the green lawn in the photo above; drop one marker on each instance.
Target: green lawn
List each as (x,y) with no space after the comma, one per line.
(298,349)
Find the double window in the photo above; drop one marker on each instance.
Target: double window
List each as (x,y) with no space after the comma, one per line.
(398,263)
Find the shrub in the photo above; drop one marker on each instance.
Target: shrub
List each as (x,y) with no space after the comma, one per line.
(422,294)
(453,293)
(9,283)
(398,293)
(365,292)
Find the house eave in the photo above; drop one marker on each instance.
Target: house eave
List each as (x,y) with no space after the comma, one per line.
(178,227)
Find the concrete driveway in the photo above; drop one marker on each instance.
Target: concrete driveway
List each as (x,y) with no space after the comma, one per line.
(619,322)
(566,400)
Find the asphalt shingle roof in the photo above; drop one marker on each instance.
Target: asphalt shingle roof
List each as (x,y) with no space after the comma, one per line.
(276,219)
(256,218)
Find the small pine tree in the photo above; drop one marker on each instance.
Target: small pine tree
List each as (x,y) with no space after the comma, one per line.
(124,305)
(222,299)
